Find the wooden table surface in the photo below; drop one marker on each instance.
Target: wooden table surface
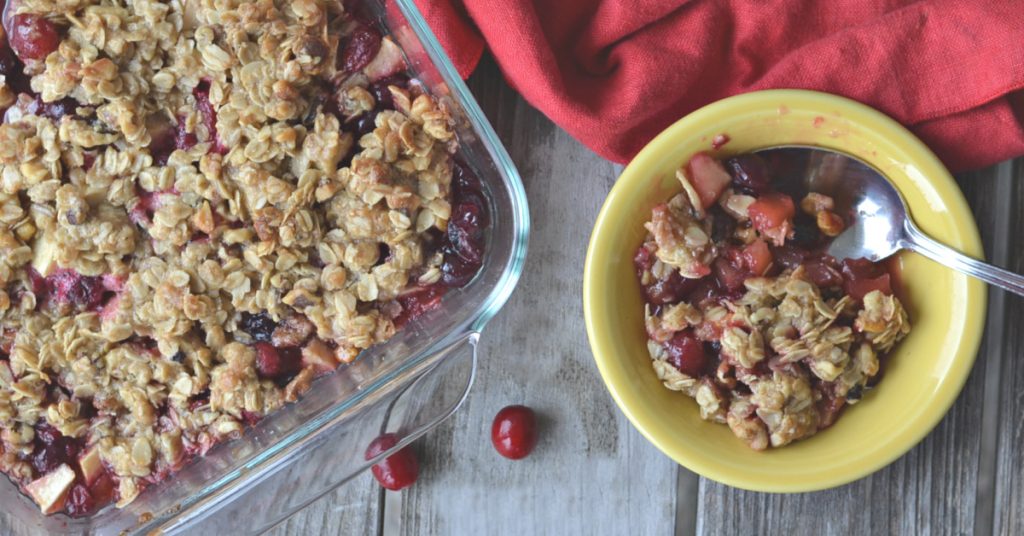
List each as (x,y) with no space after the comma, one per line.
(592,473)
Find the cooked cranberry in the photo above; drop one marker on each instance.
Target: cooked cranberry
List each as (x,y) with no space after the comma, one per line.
(381,93)
(705,288)
(360,48)
(686,353)
(259,326)
(80,501)
(398,470)
(862,269)
(514,432)
(823,272)
(863,276)
(83,292)
(33,37)
(250,418)
(456,272)
(749,173)
(57,109)
(643,260)
(418,302)
(276,363)
(722,225)
(52,449)
(788,257)
(805,232)
(8,62)
(364,124)
(465,229)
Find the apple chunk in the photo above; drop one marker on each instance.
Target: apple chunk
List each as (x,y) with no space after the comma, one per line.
(388,61)
(50,489)
(91,466)
(318,355)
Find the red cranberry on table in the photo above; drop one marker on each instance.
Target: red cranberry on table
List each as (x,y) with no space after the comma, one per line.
(397,471)
(514,432)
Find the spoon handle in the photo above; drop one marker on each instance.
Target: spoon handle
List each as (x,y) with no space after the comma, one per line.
(919,242)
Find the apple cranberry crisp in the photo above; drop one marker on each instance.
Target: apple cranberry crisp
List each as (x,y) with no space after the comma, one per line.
(747,314)
(203,206)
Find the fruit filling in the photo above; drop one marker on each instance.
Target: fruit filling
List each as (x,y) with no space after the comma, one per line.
(205,209)
(747,313)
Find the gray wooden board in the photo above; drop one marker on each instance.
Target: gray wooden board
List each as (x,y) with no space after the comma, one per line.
(594,474)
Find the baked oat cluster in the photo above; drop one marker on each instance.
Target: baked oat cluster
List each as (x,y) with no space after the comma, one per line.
(204,205)
(747,314)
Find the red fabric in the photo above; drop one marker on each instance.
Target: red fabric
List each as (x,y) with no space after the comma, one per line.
(614,73)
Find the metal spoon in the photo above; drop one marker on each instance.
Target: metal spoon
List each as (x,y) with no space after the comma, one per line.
(881,225)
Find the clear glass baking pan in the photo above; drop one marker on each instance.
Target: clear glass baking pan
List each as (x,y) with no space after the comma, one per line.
(407,385)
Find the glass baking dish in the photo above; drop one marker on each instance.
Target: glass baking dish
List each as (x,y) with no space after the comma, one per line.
(407,385)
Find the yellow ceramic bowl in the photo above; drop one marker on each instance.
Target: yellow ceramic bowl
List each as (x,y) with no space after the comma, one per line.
(925,372)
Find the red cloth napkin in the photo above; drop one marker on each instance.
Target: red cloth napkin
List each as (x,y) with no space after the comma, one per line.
(614,73)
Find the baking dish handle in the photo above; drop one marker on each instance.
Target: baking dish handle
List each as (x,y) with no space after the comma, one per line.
(429,392)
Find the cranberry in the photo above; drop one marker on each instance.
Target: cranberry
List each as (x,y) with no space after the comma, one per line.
(80,501)
(365,123)
(686,353)
(465,230)
(382,93)
(463,252)
(83,292)
(359,49)
(705,288)
(418,302)
(514,432)
(272,362)
(259,326)
(52,449)
(33,37)
(54,110)
(823,271)
(398,470)
(8,62)
(661,292)
(788,257)
(749,173)
(863,276)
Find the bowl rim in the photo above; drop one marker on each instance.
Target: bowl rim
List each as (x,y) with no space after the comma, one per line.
(975,300)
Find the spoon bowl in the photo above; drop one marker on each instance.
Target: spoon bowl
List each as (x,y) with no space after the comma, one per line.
(879,223)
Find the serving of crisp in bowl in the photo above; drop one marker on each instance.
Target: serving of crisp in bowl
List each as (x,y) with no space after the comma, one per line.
(923,372)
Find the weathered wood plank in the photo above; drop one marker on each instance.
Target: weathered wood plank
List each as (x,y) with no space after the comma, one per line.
(935,488)
(591,472)
(1008,500)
